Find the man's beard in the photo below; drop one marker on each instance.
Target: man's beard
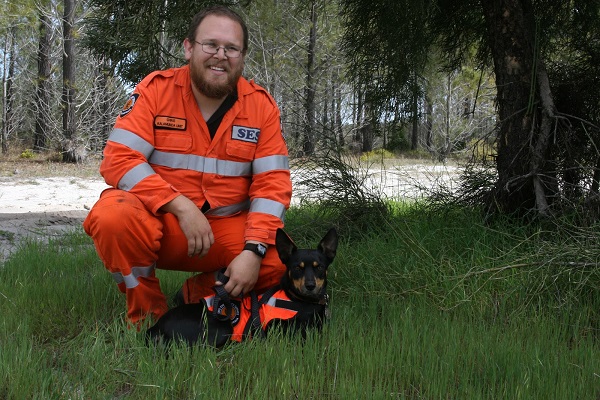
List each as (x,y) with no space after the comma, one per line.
(215,90)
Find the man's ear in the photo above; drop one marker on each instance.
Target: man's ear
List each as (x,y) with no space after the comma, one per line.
(187,48)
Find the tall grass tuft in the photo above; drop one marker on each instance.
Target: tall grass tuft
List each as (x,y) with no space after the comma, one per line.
(423,306)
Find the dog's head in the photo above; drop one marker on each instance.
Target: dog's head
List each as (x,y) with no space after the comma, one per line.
(306,275)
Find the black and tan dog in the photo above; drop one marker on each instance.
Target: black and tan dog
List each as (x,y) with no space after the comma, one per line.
(298,303)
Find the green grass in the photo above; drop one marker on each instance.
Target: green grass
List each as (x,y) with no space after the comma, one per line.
(423,307)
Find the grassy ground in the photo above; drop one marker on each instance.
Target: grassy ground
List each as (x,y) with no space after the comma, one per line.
(423,307)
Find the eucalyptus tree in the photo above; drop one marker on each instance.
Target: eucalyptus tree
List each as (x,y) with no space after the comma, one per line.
(15,21)
(294,52)
(387,44)
(538,50)
(68,91)
(42,98)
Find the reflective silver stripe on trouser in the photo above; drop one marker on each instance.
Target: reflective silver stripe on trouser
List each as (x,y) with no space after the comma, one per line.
(131,279)
(267,206)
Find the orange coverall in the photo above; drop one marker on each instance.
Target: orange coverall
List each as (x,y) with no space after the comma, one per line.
(160,147)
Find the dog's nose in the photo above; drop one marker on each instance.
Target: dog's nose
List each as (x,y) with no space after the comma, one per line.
(310,286)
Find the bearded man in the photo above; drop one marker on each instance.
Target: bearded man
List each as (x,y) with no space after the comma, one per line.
(199,176)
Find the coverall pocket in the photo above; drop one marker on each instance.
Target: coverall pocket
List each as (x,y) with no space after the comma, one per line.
(241,151)
(172,141)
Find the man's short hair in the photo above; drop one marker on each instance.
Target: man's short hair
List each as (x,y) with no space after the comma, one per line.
(220,11)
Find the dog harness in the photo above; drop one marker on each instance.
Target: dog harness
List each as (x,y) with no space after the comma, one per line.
(251,316)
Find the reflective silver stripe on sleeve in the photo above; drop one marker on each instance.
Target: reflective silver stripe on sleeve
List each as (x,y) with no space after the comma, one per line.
(132,141)
(229,210)
(267,206)
(171,160)
(134,176)
(131,279)
(270,163)
(201,164)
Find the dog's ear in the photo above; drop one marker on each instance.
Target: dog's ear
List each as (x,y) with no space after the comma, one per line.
(285,246)
(328,244)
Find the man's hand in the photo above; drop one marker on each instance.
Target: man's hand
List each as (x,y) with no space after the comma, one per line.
(193,223)
(242,273)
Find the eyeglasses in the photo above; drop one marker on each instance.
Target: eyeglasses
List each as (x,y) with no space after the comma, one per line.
(212,48)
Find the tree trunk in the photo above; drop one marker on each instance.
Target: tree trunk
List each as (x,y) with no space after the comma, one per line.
(359,119)
(414,138)
(447,126)
(7,92)
(368,129)
(69,145)
(338,112)
(42,117)
(511,26)
(309,145)
(428,124)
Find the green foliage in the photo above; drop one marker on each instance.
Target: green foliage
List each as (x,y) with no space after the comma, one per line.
(376,155)
(397,140)
(27,154)
(386,46)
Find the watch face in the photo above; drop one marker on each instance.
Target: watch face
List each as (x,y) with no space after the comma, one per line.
(262,250)
(257,249)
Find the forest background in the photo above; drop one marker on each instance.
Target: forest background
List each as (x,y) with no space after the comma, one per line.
(511,85)
(430,298)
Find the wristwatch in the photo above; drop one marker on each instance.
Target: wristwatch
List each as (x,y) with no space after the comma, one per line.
(257,248)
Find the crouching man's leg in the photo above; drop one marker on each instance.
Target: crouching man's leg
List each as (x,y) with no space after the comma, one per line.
(127,239)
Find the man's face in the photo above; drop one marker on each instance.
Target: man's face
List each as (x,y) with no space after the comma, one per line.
(215,75)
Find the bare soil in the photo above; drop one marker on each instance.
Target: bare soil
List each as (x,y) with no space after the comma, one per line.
(40,198)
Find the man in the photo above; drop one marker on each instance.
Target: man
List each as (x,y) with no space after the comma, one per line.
(199,174)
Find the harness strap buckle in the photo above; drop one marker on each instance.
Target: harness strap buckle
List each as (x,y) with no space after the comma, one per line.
(221,298)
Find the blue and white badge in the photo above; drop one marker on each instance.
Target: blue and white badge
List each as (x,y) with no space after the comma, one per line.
(245,134)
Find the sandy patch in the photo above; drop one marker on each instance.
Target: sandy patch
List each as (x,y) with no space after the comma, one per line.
(40,208)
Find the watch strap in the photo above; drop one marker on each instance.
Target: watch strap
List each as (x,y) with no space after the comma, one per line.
(257,248)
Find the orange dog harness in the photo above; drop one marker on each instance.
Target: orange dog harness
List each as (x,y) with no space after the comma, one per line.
(251,316)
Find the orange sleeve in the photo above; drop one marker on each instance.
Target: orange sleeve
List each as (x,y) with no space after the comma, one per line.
(137,118)
(273,185)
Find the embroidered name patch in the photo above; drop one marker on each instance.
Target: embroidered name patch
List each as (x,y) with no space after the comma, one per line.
(129,104)
(163,122)
(245,134)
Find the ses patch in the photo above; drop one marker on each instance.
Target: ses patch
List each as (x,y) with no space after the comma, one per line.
(245,134)
(129,105)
